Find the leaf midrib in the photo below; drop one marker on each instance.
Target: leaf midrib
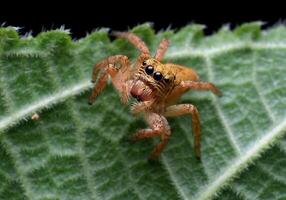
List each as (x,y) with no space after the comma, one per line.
(218,182)
(45,102)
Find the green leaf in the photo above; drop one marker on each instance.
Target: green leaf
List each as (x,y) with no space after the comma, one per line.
(74,151)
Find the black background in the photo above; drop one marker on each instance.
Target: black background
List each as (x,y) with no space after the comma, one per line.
(83,17)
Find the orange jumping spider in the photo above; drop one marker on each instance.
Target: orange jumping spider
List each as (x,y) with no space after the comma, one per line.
(155,85)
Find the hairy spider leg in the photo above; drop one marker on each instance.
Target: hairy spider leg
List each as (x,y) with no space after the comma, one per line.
(200,86)
(106,68)
(133,39)
(183,109)
(162,48)
(158,127)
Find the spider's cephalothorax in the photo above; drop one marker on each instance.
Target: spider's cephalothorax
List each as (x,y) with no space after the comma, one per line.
(152,81)
(155,85)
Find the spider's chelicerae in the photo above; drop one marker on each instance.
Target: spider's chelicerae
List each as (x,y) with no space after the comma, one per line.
(155,85)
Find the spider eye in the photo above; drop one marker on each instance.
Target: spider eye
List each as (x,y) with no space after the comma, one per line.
(149,69)
(158,76)
(144,63)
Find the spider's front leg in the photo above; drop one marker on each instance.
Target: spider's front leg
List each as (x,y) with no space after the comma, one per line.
(183,109)
(120,75)
(158,126)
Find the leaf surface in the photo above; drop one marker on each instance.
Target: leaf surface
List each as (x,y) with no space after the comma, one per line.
(75,151)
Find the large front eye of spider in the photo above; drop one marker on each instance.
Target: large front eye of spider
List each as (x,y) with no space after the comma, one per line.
(149,69)
(157,76)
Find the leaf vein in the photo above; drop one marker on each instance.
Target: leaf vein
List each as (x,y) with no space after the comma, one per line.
(241,163)
(80,138)
(130,177)
(261,97)
(226,126)
(181,193)
(26,186)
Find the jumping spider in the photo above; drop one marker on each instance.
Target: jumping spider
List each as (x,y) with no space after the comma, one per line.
(155,85)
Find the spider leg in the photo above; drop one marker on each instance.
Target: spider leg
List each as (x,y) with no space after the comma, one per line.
(200,86)
(162,48)
(98,87)
(141,106)
(158,126)
(134,39)
(125,92)
(107,67)
(183,109)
